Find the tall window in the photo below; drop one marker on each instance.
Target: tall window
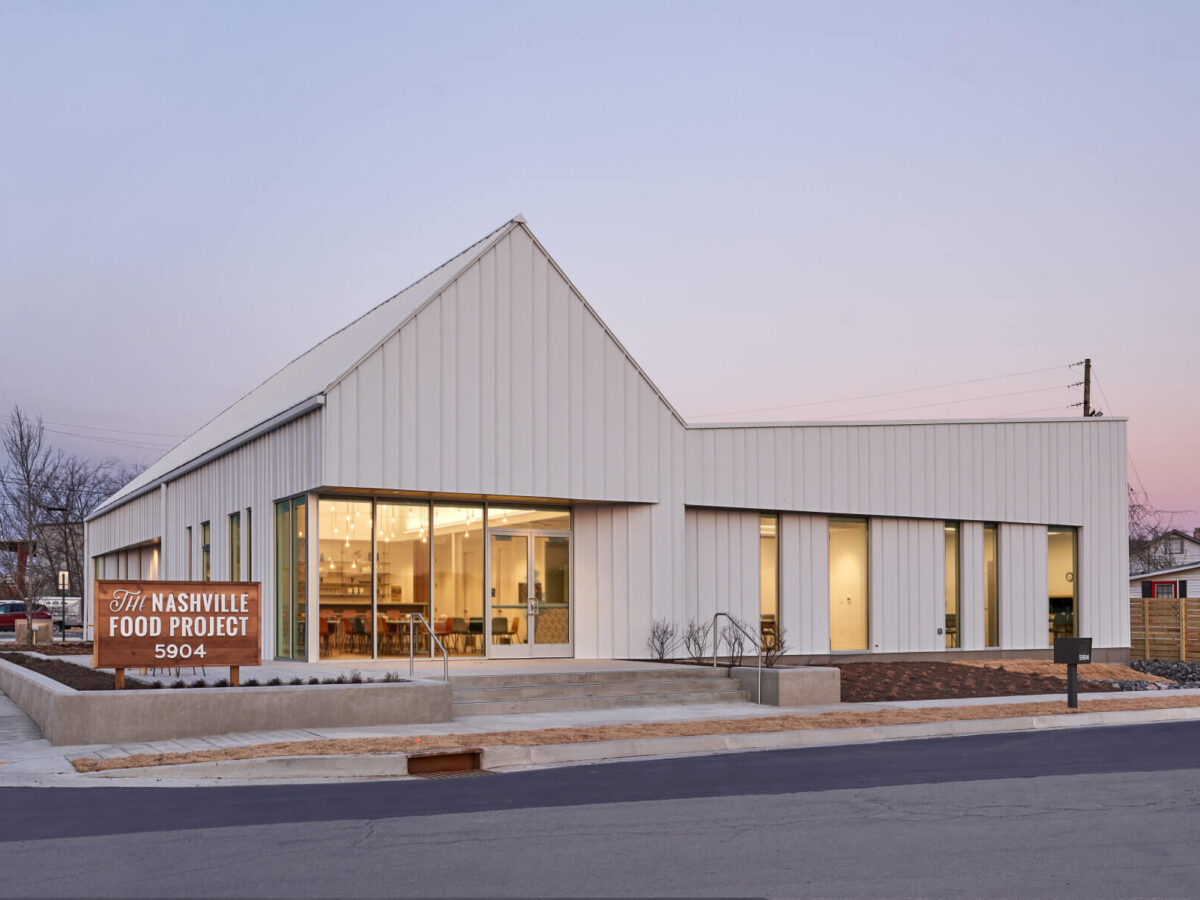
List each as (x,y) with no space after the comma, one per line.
(849,627)
(188,535)
(402,579)
(235,547)
(249,547)
(1060,577)
(991,585)
(347,578)
(458,533)
(291,579)
(768,579)
(205,551)
(952,586)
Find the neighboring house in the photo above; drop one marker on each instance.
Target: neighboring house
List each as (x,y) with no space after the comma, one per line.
(1178,581)
(482,450)
(1174,548)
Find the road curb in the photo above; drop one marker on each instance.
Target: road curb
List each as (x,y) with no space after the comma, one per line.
(395,765)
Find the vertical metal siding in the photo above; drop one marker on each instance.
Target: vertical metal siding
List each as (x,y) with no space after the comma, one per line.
(1045,473)
(1024,602)
(517,388)
(804,582)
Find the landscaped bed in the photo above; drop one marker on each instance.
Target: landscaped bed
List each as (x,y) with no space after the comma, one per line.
(546,736)
(874,682)
(57,648)
(84,678)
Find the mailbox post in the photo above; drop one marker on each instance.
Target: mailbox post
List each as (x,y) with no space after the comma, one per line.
(1072,651)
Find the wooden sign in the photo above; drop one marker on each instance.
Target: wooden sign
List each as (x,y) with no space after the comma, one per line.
(159,624)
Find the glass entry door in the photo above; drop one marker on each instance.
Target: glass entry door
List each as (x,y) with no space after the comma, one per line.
(529,597)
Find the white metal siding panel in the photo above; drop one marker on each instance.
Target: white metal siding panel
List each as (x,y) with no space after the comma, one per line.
(906,572)
(723,564)
(518,390)
(1020,472)
(136,521)
(1024,603)
(804,582)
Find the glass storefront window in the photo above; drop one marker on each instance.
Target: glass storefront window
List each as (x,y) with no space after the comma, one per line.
(402,579)
(991,585)
(527,517)
(458,533)
(346,628)
(235,547)
(768,579)
(283,579)
(848,620)
(952,589)
(1060,572)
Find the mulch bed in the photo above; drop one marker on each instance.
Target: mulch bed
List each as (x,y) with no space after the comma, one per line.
(78,677)
(867,682)
(58,648)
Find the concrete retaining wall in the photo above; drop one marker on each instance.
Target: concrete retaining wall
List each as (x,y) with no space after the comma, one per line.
(67,716)
(792,686)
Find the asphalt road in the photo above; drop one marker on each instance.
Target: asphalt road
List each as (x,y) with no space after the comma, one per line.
(1111,812)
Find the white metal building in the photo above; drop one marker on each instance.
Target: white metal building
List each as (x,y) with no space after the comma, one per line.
(482,450)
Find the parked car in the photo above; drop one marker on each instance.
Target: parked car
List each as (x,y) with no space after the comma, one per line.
(11,610)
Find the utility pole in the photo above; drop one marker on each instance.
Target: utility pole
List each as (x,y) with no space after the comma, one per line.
(1087,388)
(1088,412)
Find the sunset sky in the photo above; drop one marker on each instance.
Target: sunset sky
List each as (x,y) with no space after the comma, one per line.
(784,211)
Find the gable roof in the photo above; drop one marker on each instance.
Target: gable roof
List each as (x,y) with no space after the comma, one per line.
(1173,570)
(298,387)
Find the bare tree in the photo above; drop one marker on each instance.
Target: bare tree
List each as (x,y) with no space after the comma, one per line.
(80,486)
(28,473)
(1148,551)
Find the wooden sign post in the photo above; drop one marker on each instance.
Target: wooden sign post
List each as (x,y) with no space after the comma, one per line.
(159,624)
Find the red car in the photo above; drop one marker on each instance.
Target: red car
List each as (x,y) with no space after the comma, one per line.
(11,610)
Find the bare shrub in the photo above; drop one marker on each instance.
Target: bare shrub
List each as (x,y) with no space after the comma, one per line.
(774,648)
(695,639)
(664,635)
(391,677)
(734,641)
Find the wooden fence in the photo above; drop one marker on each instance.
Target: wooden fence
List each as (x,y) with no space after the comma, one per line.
(1164,629)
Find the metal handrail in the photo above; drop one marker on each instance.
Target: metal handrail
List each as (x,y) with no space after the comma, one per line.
(433,637)
(749,637)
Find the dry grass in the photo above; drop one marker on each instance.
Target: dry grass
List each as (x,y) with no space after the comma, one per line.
(626,732)
(1089,672)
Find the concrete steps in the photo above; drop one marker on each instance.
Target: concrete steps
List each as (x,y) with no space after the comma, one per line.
(563,691)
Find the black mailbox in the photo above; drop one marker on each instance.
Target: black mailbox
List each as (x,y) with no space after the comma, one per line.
(1072,651)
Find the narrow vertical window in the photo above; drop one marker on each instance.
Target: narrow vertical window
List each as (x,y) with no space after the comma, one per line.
(952,590)
(849,628)
(249,547)
(235,546)
(283,579)
(1061,584)
(991,585)
(768,579)
(188,535)
(205,551)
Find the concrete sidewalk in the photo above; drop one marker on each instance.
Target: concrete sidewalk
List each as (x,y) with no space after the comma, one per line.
(27,759)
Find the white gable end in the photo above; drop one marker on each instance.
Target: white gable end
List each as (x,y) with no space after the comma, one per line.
(505,383)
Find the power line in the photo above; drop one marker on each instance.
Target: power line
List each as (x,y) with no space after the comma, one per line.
(1056,387)
(738,412)
(108,430)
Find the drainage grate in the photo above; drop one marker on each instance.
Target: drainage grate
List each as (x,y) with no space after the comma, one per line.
(461,773)
(436,762)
